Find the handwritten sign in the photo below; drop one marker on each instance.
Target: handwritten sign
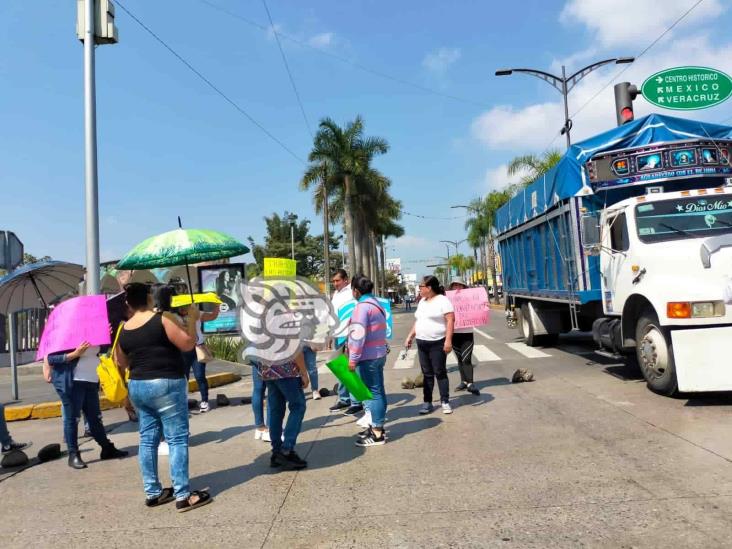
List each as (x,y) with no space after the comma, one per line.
(471,307)
(275,266)
(74,321)
(185,299)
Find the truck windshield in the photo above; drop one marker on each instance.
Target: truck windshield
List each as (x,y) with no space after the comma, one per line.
(689,217)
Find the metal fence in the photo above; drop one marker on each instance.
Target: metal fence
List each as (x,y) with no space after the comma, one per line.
(29,326)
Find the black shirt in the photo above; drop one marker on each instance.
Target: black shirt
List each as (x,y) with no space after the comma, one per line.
(151,354)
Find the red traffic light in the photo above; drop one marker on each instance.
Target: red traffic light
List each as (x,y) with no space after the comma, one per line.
(626,115)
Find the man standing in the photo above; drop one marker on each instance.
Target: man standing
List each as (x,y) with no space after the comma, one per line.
(342,297)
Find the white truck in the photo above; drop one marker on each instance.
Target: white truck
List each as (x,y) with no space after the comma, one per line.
(630,236)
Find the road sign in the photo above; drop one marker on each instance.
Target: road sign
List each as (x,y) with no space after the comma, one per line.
(11,251)
(687,88)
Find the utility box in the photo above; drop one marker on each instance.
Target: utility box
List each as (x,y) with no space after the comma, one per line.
(105,31)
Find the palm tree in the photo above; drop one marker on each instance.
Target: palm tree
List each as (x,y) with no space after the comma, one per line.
(346,153)
(317,176)
(532,167)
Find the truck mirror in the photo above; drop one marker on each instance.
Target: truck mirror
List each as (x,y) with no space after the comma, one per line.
(590,226)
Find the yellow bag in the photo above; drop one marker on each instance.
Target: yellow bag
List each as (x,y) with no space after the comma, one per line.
(113,385)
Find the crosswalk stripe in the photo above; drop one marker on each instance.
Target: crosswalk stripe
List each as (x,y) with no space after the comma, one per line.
(484,354)
(481,332)
(528,352)
(408,362)
(452,359)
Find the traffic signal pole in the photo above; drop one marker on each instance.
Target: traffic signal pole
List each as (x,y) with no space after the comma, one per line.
(91,184)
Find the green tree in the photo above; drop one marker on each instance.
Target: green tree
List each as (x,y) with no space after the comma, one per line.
(531,167)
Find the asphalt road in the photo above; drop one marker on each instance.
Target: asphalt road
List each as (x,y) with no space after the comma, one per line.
(583,456)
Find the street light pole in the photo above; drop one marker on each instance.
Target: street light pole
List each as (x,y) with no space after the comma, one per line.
(91,188)
(565,84)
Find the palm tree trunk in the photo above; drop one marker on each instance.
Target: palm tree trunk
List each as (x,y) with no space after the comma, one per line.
(349,225)
(326,238)
(372,261)
(492,256)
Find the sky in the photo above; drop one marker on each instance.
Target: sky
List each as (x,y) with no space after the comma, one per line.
(420,73)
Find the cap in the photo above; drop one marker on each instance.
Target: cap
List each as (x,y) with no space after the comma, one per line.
(458,280)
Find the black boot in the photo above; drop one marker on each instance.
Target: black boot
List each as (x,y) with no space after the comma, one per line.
(110,452)
(75,461)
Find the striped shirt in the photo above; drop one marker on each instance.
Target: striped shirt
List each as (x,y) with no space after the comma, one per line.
(367,331)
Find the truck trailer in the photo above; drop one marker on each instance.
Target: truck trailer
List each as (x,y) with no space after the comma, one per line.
(630,236)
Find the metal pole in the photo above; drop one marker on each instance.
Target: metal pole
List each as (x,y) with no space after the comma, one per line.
(292,239)
(90,150)
(326,238)
(566,106)
(13,347)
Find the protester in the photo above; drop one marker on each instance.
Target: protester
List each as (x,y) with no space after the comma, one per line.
(190,358)
(311,362)
(462,346)
(367,350)
(151,346)
(6,441)
(285,383)
(433,328)
(74,376)
(343,296)
(261,431)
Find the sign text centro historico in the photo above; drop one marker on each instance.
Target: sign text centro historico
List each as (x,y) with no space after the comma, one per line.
(687,88)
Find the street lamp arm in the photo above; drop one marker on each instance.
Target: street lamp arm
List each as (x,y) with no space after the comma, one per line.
(573,80)
(555,81)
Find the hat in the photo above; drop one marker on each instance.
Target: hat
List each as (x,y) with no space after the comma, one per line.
(458,280)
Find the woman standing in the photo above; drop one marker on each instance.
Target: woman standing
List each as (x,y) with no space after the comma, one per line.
(367,351)
(190,358)
(150,345)
(462,346)
(433,328)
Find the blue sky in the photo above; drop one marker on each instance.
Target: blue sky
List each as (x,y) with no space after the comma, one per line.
(169,146)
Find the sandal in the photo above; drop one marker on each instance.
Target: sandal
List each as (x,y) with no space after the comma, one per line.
(184,505)
(165,496)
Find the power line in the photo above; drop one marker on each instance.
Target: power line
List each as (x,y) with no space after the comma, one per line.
(211,84)
(287,68)
(430,217)
(626,67)
(348,61)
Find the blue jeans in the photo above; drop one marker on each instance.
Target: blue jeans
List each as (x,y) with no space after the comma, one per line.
(199,372)
(372,374)
(84,396)
(5,437)
(282,392)
(258,389)
(312,366)
(162,408)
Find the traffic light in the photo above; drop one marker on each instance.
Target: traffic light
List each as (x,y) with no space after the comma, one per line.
(625,92)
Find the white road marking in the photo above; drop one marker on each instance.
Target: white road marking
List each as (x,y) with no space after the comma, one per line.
(484,354)
(485,335)
(408,362)
(528,352)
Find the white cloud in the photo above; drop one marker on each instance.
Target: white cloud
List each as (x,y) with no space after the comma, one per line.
(439,61)
(498,178)
(322,40)
(532,128)
(411,242)
(632,23)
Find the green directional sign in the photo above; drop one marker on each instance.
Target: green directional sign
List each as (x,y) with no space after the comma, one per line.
(687,88)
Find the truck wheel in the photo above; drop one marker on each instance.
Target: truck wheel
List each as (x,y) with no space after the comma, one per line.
(526,327)
(655,355)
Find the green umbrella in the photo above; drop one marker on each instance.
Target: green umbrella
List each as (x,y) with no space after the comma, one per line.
(181,247)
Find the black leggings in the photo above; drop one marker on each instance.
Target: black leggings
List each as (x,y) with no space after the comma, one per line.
(432,359)
(462,346)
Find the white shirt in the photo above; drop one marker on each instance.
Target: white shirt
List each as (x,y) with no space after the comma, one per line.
(86,368)
(430,318)
(341,297)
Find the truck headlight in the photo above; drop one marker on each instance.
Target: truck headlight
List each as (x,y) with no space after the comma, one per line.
(695,309)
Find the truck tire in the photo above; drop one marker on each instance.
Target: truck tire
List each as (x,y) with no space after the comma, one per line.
(655,354)
(527,327)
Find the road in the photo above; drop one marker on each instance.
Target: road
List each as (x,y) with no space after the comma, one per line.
(583,456)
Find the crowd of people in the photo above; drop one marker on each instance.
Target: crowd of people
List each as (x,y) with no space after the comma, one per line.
(157,349)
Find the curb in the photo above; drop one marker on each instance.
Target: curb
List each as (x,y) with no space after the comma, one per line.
(45,410)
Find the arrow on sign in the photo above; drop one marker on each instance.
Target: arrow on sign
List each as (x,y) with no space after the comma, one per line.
(659,79)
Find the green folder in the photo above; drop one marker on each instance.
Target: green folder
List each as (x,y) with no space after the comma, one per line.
(354,384)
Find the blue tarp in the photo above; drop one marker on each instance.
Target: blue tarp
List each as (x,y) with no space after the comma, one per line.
(567,178)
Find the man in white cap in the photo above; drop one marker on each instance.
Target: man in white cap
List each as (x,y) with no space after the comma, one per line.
(462,346)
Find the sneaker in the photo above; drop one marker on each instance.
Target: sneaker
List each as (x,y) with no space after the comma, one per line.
(461,387)
(446,408)
(426,408)
(12,446)
(203,408)
(316,395)
(365,421)
(262,435)
(371,440)
(287,461)
(366,432)
(339,406)
(163,449)
(473,389)
(353,410)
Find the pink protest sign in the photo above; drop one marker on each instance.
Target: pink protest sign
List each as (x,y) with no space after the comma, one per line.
(74,321)
(471,307)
